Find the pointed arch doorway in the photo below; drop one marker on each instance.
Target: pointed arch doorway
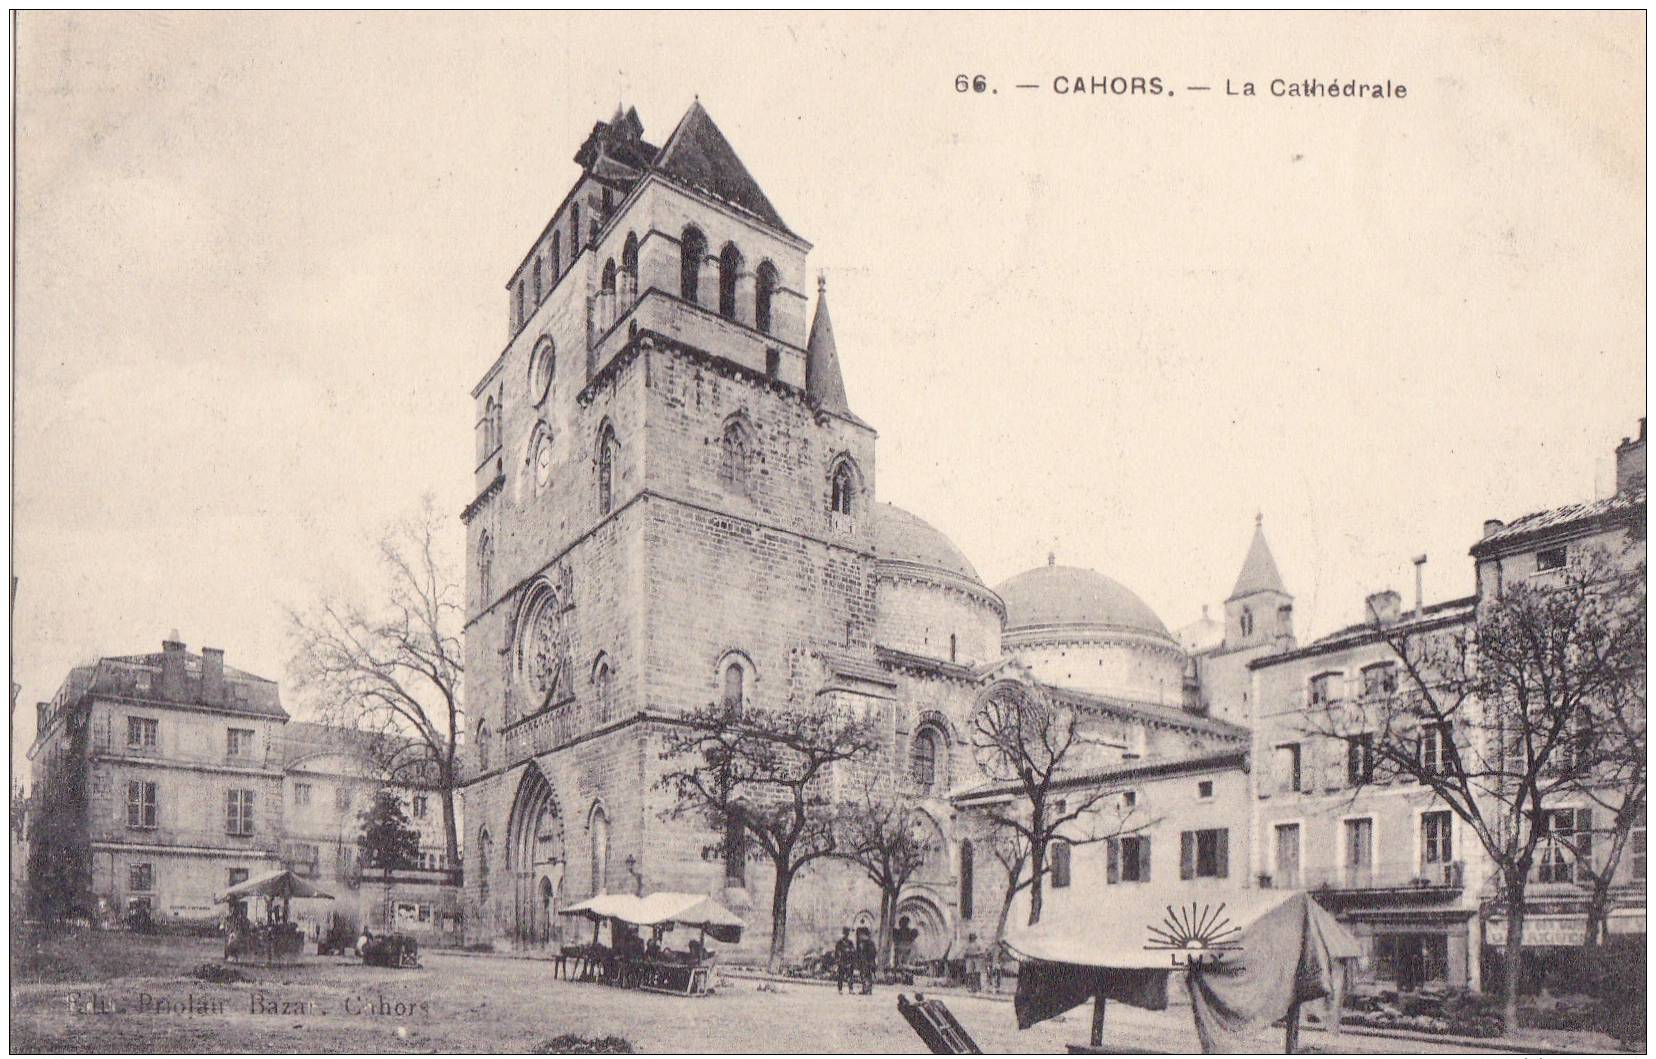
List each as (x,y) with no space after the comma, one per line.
(535,858)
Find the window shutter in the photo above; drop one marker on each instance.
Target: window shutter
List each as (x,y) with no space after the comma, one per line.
(1224,853)
(1144,858)
(1112,869)
(1187,854)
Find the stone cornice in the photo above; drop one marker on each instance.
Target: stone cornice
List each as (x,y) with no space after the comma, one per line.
(489,490)
(920,573)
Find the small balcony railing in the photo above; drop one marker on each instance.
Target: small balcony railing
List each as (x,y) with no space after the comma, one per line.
(1396,875)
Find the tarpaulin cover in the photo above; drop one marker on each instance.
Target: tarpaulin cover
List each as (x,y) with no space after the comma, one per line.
(691,910)
(1277,946)
(279,883)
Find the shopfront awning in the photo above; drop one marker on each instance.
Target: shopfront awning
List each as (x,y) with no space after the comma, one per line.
(1246,956)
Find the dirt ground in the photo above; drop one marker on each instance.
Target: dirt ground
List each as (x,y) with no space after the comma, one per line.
(115,993)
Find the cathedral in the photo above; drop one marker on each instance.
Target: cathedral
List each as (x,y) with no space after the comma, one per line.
(675,503)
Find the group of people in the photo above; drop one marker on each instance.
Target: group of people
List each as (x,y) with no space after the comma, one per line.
(854,961)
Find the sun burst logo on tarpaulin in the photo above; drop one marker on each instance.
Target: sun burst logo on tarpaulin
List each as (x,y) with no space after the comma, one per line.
(1197,935)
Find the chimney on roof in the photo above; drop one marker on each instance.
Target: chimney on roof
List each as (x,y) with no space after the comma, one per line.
(212,676)
(173,668)
(1492,526)
(1420,584)
(1385,606)
(1630,462)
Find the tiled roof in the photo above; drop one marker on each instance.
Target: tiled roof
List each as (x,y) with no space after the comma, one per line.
(1625,504)
(1365,632)
(698,155)
(823,382)
(1200,761)
(1259,569)
(1148,711)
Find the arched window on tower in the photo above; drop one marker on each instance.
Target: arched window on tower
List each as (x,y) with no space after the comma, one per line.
(608,449)
(734,452)
(485,433)
(923,755)
(600,848)
(557,255)
(1247,622)
(968,873)
(629,269)
(843,488)
(485,853)
(603,686)
(692,248)
(483,745)
(764,287)
(592,233)
(574,232)
(539,290)
(735,686)
(954,647)
(608,283)
(485,568)
(730,270)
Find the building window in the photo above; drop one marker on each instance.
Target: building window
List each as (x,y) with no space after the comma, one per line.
(602,681)
(237,876)
(141,803)
(238,812)
(1548,559)
(606,284)
(143,680)
(1436,841)
(1567,840)
(574,232)
(1246,621)
(1288,768)
(543,366)
(1204,789)
(342,797)
(735,691)
(482,745)
(968,873)
(306,859)
(734,450)
(238,742)
(730,271)
(142,733)
(1204,854)
(1436,745)
(773,362)
(141,878)
(923,759)
(1359,851)
(1360,759)
(485,568)
(692,249)
(607,447)
(421,807)
(1287,856)
(557,255)
(844,488)
(629,268)
(954,647)
(301,794)
(600,829)
(521,315)
(539,291)
(1128,859)
(1325,689)
(1637,856)
(1059,854)
(1129,800)
(1379,680)
(764,287)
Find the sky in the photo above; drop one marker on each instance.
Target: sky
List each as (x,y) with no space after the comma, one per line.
(259,263)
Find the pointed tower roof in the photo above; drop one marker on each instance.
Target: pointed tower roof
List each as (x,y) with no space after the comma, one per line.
(823,383)
(698,155)
(1259,569)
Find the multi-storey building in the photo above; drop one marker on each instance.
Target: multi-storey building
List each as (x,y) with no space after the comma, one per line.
(175,776)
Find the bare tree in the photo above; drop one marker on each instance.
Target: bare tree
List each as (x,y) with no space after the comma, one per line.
(761,777)
(1025,740)
(391,665)
(1505,715)
(1011,851)
(891,841)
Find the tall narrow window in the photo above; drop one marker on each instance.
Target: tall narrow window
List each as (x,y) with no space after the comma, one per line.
(1287,856)
(606,471)
(1359,851)
(539,290)
(692,248)
(733,456)
(600,848)
(954,647)
(141,804)
(967,872)
(485,567)
(734,680)
(574,232)
(1436,844)
(629,268)
(483,745)
(923,759)
(607,284)
(557,255)
(730,270)
(1059,852)
(764,286)
(238,812)
(1247,622)
(844,487)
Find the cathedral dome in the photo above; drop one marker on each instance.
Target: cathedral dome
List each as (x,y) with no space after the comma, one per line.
(1068,596)
(903,537)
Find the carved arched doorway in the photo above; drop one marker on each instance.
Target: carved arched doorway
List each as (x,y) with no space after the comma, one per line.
(536,858)
(922,932)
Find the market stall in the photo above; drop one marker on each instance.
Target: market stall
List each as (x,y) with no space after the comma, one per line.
(630,962)
(273,936)
(1247,958)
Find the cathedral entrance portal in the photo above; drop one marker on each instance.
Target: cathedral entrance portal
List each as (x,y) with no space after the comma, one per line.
(536,860)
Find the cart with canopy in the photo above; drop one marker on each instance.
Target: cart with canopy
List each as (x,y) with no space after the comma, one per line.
(1247,958)
(276,937)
